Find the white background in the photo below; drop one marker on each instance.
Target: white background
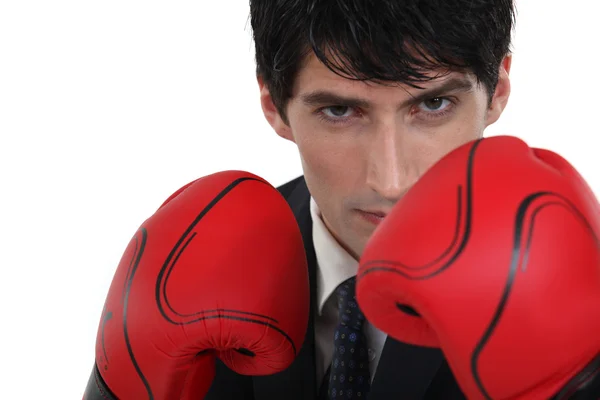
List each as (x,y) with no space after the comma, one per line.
(107,107)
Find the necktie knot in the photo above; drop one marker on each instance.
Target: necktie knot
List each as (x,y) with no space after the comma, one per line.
(349,312)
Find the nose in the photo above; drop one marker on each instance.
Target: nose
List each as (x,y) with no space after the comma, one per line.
(390,172)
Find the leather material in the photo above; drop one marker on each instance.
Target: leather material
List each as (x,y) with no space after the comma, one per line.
(218,271)
(497,250)
(96,389)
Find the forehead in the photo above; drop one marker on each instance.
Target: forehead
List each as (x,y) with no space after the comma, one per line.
(314,75)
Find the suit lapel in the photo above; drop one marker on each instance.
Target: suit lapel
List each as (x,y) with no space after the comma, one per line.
(298,381)
(404,371)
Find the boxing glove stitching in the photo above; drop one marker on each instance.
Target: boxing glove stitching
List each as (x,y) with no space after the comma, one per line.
(129,282)
(99,386)
(180,246)
(518,250)
(169,265)
(397,267)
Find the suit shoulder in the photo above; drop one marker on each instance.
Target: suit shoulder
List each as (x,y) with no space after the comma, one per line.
(287,188)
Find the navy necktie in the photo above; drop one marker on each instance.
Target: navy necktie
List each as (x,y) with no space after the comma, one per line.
(349,377)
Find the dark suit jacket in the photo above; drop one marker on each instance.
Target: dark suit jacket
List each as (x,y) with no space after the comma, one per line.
(404,371)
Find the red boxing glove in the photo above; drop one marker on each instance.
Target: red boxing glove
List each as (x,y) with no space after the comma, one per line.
(497,250)
(218,271)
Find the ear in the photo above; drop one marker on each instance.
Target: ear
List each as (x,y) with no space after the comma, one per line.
(280,126)
(502,92)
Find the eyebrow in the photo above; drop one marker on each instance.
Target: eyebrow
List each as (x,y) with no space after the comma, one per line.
(325,97)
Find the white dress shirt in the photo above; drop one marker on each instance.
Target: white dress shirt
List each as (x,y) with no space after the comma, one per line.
(334,266)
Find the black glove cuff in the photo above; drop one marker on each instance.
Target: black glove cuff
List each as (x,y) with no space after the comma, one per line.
(96,388)
(585,385)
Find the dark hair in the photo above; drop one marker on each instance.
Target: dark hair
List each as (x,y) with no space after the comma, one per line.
(385,41)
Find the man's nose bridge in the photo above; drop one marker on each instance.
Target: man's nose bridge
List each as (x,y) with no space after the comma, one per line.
(390,168)
(386,154)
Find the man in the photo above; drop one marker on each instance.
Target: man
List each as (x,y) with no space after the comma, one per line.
(373,94)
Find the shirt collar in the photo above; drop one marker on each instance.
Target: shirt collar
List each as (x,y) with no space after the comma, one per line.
(334,263)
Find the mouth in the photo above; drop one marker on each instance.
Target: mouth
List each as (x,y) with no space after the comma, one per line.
(372,216)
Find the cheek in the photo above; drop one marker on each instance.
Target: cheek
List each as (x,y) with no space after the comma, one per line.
(332,166)
(460,132)
(427,146)
(326,166)
(329,159)
(465,127)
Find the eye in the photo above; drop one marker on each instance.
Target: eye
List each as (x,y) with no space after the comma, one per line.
(435,108)
(337,115)
(337,111)
(435,104)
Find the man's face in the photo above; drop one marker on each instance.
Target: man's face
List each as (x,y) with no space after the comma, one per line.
(363,145)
